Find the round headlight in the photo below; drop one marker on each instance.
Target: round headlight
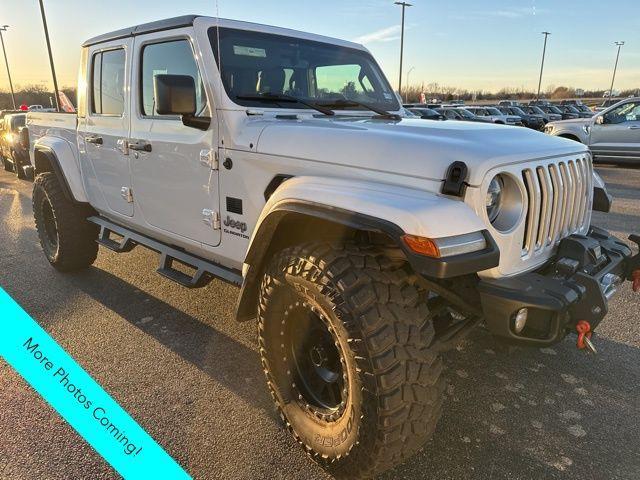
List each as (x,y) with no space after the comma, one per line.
(494,198)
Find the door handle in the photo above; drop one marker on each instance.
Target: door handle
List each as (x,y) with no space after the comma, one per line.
(140,145)
(95,139)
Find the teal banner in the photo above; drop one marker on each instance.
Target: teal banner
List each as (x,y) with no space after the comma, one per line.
(70,390)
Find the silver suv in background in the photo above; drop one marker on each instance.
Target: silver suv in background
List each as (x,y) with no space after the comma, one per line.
(495,115)
(613,135)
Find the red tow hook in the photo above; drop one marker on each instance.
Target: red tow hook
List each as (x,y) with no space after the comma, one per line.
(635,278)
(584,336)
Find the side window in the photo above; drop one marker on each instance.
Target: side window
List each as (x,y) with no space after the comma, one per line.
(107,82)
(175,58)
(629,112)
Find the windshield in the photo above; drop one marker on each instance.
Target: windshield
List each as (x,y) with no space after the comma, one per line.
(255,63)
(494,111)
(553,109)
(517,111)
(537,110)
(424,111)
(465,113)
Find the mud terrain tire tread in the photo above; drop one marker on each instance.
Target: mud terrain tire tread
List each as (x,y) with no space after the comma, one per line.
(390,333)
(76,246)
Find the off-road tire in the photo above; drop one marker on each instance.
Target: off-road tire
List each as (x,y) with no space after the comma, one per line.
(17,166)
(67,238)
(381,326)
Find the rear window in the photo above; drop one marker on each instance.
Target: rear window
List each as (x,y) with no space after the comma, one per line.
(17,122)
(107,82)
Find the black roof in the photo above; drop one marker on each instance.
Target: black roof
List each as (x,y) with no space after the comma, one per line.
(167,24)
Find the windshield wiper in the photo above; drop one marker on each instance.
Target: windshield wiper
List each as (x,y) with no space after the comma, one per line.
(282,98)
(340,102)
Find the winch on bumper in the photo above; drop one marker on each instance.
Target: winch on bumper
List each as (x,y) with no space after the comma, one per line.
(540,308)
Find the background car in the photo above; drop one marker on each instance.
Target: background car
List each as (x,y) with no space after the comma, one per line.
(613,135)
(536,110)
(495,115)
(534,121)
(566,115)
(460,114)
(510,103)
(607,103)
(567,108)
(14,155)
(427,113)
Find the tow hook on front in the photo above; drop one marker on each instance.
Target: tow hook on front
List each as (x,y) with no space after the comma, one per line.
(584,336)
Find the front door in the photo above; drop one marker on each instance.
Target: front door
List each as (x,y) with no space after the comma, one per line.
(104,132)
(618,137)
(175,186)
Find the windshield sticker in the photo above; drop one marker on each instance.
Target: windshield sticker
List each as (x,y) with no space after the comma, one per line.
(249,51)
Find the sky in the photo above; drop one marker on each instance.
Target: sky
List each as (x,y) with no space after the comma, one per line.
(472,44)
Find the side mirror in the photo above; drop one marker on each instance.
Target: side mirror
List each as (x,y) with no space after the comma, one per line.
(176,95)
(600,120)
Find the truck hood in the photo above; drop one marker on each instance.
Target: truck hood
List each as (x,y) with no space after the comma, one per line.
(412,147)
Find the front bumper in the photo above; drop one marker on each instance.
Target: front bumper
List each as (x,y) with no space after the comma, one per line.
(576,285)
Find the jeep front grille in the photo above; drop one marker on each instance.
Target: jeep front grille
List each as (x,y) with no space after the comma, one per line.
(558,206)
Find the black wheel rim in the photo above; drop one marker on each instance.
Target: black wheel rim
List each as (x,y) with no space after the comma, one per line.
(315,362)
(50,227)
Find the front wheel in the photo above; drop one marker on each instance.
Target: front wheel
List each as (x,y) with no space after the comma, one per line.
(67,238)
(345,342)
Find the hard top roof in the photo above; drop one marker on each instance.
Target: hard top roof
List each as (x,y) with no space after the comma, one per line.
(188,20)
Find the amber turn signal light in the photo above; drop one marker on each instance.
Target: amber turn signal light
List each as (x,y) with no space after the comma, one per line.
(422,246)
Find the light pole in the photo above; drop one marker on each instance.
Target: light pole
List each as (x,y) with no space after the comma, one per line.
(404,5)
(619,44)
(544,51)
(6,61)
(53,70)
(406,96)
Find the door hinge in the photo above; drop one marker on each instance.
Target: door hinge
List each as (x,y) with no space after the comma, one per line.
(209,159)
(127,194)
(211,218)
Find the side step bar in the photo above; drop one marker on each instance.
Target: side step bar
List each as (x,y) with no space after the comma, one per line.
(205,270)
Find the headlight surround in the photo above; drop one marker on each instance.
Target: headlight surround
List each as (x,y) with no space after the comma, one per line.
(504,202)
(493,200)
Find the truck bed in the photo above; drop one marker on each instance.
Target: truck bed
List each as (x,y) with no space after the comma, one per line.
(52,123)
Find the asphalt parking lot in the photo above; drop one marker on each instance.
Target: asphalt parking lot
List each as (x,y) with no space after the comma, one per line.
(179,363)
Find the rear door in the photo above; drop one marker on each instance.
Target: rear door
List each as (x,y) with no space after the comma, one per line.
(618,138)
(175,182)
(104,132)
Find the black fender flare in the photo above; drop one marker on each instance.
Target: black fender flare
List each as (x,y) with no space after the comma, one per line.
(257,255)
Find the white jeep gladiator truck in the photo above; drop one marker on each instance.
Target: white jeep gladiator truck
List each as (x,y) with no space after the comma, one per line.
(364,243)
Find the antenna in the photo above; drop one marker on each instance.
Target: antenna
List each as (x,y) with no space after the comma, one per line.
(220,83)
